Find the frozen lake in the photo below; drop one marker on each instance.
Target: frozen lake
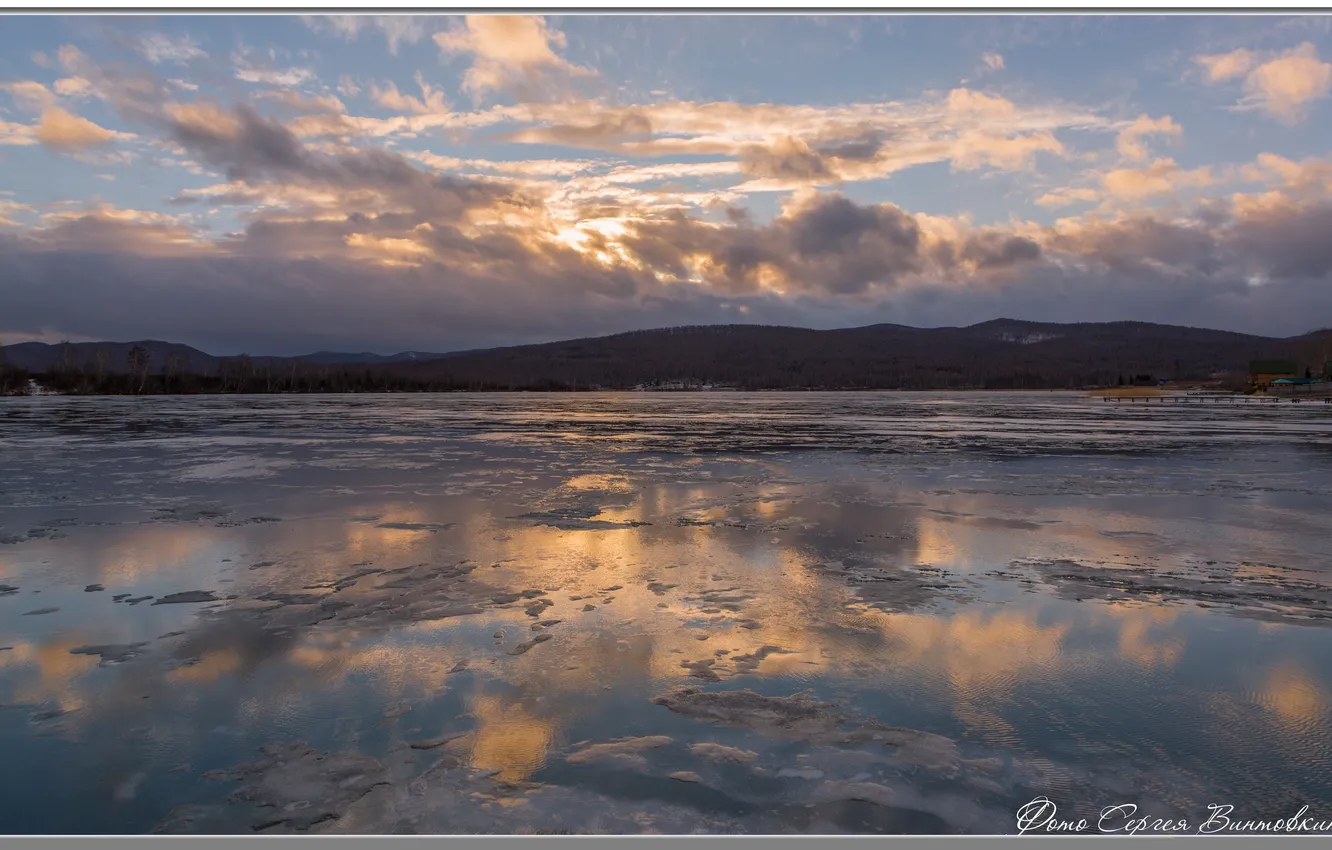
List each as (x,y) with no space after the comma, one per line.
(622,613)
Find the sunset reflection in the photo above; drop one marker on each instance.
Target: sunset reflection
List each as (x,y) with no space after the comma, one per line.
(532,603)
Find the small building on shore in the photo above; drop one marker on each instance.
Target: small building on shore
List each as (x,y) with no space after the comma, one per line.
(1300,386)
(1262,373)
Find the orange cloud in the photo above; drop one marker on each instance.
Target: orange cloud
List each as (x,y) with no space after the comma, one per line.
(1283,86)
(976,149)
(1064,197)
(431,100)
(69,133)
(29,94)
(970,107)
(509,52)
(1225,66)
(17,134)
(1162,177)
(1129,141)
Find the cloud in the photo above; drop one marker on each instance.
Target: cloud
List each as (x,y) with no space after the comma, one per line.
(968,107)
(1161,177)
(780,147)
(1284,85)
(976,149)
(9,208)
(824,245)
(1226,66)
(610,130)
(17,134)
(75,87)
(347,86)
(396,29)
(309,103)
(388,280)
(1129,142)
(1068,195)
(510,53)
(431,99)
(993,61)
(275,77)
(158,48)
(29,94)
(1310,178)
(404,246)
(785,158)
(66,132)
(256,149)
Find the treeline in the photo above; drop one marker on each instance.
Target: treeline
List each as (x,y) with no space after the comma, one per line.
(241,374)
(1001,355)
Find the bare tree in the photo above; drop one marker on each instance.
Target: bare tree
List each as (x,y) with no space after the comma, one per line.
(65,360)
(244,371)
(138,364)
(7,374)
(172,366)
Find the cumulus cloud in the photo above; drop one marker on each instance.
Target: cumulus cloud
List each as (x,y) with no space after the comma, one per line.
(780,147)
(1287,84)
(479,272)
(1161,177)
(17,134)
(356,229)
(976,149)
(431,100)
(993,61)
(967,107)
(510,53)
(29,94)
(784,158)
(1219,67)
(386,284)
(1129,142)
(75,87)
(104,228)
(1067,195)
(1284,86)
(66,132)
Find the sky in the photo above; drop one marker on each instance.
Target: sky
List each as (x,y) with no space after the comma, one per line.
(284,184)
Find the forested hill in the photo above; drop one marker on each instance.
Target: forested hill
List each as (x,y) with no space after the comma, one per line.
(1000,354)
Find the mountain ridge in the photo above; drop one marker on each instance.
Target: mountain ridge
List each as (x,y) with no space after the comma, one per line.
(997,353)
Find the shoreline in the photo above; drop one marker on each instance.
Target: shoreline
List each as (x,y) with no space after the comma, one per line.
(607,390)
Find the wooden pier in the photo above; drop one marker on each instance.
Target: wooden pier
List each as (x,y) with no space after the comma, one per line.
(1202,399)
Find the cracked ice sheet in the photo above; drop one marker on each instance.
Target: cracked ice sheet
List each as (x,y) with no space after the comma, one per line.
(1038,608)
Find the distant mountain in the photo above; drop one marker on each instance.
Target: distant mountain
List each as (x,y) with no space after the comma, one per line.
(41,357)
(1003,353)
(113,356)
(999,353)
(327,358)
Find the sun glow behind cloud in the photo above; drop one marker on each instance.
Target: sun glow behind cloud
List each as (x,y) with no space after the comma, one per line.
(511,172)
